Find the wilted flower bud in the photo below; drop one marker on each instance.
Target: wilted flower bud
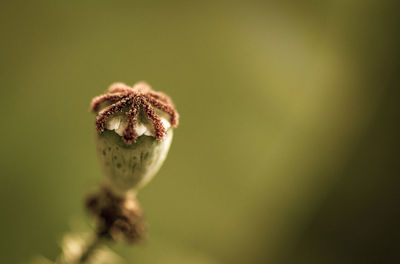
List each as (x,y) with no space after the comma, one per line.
(134,127)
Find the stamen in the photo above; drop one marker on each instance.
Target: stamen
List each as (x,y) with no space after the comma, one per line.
(161,96)
(110,110)
(166,108)
(130,133)
(136,98)
(159,129)
(94,106)
(119,87)
(141,87)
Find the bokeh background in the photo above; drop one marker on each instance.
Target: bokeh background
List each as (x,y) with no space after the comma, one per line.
(287,148)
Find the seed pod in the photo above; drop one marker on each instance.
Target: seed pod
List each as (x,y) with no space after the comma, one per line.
(134,132)
(131,166)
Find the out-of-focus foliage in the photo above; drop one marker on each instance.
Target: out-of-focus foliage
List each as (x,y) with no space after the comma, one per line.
(286,148)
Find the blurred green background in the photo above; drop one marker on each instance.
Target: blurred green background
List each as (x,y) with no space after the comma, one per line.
(287,147)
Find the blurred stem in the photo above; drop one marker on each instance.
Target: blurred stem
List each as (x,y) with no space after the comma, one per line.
(96,242)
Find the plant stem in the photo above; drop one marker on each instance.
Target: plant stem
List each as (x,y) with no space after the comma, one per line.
(96,242)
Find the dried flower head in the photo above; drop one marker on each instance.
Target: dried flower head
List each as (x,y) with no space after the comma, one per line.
(134,127)
(118,217)
(132,100)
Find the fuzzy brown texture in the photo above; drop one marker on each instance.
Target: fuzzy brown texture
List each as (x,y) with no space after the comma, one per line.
(132,100)
(117,217)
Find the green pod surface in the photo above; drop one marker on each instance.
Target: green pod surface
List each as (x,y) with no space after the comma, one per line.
(130,167)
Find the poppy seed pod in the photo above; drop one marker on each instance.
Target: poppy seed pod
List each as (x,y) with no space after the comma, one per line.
(134,132)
